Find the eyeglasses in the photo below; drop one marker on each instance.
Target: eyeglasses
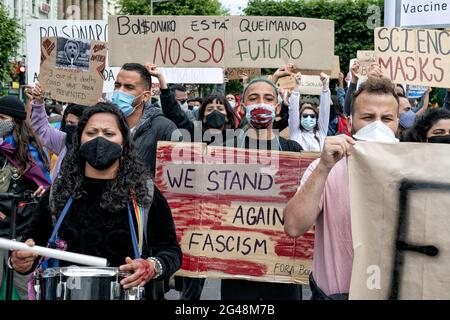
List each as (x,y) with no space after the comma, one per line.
(312,116)
(182,101)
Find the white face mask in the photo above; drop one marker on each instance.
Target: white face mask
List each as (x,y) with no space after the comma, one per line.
(232,104)
(184,106)
(376,132)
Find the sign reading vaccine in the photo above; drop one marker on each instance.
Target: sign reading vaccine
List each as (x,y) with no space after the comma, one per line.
(422,13)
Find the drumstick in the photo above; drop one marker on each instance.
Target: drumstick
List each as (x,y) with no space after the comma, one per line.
(55,254)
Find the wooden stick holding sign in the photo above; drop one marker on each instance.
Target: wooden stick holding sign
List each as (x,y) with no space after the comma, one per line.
(72,70)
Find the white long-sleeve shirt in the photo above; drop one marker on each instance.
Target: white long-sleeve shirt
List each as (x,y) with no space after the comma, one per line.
(307,139)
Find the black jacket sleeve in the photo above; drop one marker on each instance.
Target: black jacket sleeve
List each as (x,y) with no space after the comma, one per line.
(284,121)
(172,111)
(41,225)
(349,98)
(163,239)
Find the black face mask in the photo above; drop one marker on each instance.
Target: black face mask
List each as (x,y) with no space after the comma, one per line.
(100,153)
(440,139)
(70,130)
(215,120)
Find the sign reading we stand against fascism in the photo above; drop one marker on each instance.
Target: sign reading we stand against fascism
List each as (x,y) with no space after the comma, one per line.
(414,56)
(235,42)
(228,204)
(72,70)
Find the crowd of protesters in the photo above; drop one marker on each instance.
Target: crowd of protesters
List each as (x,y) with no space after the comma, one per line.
(106,158)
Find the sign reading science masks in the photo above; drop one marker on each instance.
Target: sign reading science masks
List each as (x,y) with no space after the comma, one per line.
(236,42)
(414,56)
(227,205)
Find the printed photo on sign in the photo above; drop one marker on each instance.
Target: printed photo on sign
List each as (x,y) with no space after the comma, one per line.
(73,53)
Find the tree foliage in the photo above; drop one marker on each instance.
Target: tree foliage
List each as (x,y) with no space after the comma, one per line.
(178,7)
(354,20)
(10,37)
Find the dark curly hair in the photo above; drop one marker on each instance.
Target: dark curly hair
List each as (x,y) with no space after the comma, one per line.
(418,133)
(132,174)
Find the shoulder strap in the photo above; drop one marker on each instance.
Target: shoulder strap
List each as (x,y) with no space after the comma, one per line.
(52,240)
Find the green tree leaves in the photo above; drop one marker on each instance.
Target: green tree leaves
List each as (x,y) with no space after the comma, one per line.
(179,7)
(10,36)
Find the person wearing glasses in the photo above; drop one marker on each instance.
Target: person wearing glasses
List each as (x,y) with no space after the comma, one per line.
(307,125)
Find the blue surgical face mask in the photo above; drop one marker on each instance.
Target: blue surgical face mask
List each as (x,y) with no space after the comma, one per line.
(308,123)
(124,101)
(407,119)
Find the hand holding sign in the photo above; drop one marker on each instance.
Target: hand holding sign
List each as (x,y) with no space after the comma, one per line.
(244,78)
(283,71)
(375,71)
(37,93)
(355,71)
(325,81)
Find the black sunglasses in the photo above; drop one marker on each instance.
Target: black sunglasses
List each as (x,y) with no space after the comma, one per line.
(312,116)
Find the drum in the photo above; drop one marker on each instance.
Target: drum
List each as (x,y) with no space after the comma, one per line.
(84,283)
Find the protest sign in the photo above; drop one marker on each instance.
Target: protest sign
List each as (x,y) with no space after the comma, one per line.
(235,73)
(37,29)
(366,58)
(72,69)
(414,56)
(425,13)
(416,92)
(310,85)
(227,205)
(236,42)
(334,74)
(286,82)
(400,221)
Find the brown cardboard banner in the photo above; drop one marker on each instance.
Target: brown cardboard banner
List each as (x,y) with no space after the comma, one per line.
(400,221)
(414,56)
(310,85)
(209,41)
(227,205)
(71,69)
(235,73)
(334,74)
(366,58)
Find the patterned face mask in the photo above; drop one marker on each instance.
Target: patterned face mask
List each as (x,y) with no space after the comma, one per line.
(6,127)
(260,116)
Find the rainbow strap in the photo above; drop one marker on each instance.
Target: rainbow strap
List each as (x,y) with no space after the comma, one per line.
(138,242)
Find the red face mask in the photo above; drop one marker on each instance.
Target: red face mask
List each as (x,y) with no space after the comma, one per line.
(260,116)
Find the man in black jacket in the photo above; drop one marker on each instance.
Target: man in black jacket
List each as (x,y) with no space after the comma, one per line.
(148,124)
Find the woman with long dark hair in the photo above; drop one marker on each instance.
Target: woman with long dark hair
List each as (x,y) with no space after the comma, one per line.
(108,188)
(432,127)
(24,168)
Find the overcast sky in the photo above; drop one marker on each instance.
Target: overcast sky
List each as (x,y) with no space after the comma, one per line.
(234,5)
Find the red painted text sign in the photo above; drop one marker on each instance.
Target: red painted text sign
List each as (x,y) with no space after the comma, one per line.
(414,56)
(208,41)
(228,206)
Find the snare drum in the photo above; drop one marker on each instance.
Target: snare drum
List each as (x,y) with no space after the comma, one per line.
(84,283)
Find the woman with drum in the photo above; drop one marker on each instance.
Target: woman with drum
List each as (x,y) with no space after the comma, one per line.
(106,205)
